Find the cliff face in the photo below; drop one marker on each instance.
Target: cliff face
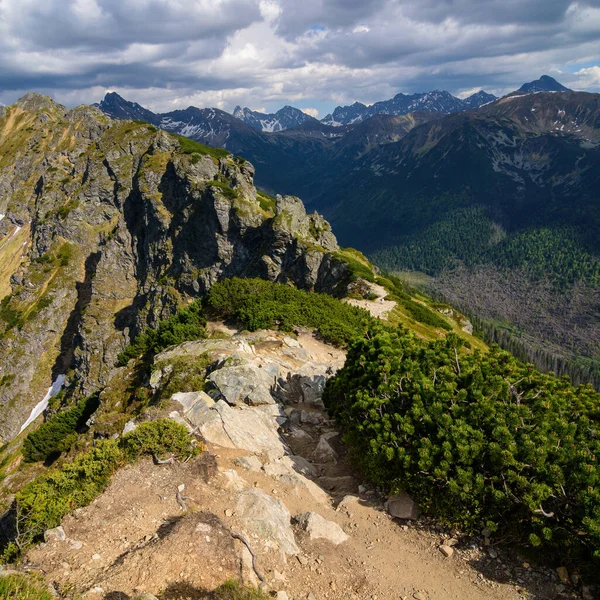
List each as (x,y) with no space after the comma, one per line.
(109,226)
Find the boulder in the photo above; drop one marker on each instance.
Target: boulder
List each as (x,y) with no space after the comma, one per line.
(196,413)
(262,515)
(243,383)
(402,506)
(250,429)
(319,528)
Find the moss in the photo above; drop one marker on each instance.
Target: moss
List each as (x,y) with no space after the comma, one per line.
(358,265)
(188,146)
(7,379)
(228,192)
(266,202)
(187,374)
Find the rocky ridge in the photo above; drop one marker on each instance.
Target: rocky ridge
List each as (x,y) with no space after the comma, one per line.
(109,226)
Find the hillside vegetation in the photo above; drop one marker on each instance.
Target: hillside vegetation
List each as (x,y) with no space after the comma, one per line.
(478,439)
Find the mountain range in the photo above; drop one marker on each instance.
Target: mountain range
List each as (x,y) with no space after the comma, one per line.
(286,118)
(493,204)
(402,104)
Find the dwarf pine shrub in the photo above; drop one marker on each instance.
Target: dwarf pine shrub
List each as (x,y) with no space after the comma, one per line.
(478,439)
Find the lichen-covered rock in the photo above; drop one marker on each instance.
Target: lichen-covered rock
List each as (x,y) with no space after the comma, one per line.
(268,518)
(246,383)
(109,226)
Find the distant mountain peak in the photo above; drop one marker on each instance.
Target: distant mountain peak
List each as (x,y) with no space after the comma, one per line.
(117,107)
(544,84)
(435,101)
(287,117)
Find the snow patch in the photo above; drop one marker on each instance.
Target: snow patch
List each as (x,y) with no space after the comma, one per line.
(43,404)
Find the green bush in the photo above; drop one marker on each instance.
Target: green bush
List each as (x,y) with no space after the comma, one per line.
(23,587)
(155,438)
(260,304)
(191,147)
(43,502)
(186,325)
(477,439)
(59,433)
(227,191)
(420,313)
(266,202)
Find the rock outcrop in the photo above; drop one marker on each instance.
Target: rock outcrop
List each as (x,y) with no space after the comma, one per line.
(109,226)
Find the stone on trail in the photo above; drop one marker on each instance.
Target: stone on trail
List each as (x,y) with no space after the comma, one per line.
(324,452)
(319,528)
(268,518)
(57,534)
(402,506)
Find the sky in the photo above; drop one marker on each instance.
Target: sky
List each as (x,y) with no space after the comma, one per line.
(313,54)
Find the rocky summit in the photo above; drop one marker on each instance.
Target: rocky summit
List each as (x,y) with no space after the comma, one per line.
(108,226)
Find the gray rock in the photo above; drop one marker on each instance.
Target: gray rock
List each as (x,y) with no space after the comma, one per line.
(233,481)
(402,506)
(312,418)
(299,464)
(268,518)
(243,383)
(198,413)
(57,534)
(249,429)
(324,452)
(187,399)
(348,502)
(319,528)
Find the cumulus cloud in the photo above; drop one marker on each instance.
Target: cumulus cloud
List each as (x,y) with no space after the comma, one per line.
(169,54)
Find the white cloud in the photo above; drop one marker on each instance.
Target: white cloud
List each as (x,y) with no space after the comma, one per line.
(312,112)
(173,53)
(589,77)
